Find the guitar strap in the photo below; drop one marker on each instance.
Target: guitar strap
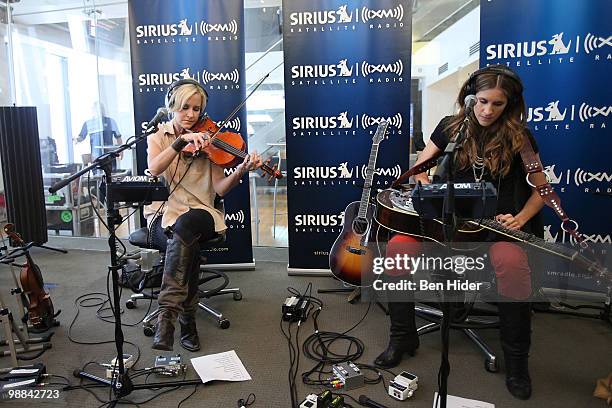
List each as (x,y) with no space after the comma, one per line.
(537,179)
(416,169)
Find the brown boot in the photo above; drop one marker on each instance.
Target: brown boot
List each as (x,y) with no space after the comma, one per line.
(164,332)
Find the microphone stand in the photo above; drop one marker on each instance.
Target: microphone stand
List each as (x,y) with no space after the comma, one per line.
(121,384)
(449,228)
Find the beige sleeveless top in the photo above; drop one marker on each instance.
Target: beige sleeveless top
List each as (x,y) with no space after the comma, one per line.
(195,189)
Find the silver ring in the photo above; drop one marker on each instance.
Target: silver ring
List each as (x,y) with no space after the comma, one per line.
(528,181)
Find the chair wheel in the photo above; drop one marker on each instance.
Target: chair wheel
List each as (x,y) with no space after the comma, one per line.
(237,296)
(130,304)
(491,366)
(148,331)
(224,323)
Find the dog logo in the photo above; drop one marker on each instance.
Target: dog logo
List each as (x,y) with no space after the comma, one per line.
(345,17)
(185,29)
(344,171)
(558,46)
(554,114)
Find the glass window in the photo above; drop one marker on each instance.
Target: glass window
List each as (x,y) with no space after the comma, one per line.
(73,64)
(72,61)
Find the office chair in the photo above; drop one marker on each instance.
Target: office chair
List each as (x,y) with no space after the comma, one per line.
(467,320)
(140,238)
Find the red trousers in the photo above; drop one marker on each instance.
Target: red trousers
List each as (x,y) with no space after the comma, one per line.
(509,261)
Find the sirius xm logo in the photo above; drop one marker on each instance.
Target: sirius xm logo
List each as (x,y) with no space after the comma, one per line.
(346,18)
(342,175)
(221,80)
(235,220)
(159,81)
(184,31)
(559,116)
(319,223)
(343,124)
(561,236)
(558,49)
(344,72)
(588,180)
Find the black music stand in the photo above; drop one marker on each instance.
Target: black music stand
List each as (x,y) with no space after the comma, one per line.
(121,384)
(449,217)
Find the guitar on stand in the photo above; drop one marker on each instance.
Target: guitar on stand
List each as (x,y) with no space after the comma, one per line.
(350,254)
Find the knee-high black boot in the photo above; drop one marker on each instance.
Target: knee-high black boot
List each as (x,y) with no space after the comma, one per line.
(515,333)
(180,257)
(403,336)
(187,319)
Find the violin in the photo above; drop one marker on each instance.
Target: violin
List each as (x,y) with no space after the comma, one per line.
(226,149)
(40,307)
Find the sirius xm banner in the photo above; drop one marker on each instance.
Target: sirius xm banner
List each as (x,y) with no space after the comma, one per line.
(172,40)
(347,67)
(562,49)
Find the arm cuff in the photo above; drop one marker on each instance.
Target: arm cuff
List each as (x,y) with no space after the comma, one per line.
(179,144)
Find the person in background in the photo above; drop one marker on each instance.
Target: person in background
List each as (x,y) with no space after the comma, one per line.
(103,134)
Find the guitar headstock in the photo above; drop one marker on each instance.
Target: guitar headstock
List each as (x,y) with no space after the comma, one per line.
(381,131)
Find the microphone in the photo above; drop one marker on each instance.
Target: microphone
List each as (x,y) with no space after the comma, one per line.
(162,113)
(366,402)
(469,102)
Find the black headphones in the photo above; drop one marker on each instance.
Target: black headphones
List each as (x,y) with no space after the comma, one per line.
(498,69)
(186,81)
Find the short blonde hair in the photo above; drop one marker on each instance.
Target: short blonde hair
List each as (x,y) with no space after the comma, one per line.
(180,96)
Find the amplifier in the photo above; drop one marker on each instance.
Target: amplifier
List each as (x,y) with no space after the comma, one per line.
(472,200)
(136,189)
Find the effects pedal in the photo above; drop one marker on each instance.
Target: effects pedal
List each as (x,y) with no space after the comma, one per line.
(323,400)
(295,309)
(310,402)
(113,368)
(403,386)
(169,366)
(347,375)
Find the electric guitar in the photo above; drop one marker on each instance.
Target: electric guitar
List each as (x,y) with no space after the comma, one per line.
(394,211)
(350,254)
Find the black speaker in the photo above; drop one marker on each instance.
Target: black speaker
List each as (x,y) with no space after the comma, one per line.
(22,172)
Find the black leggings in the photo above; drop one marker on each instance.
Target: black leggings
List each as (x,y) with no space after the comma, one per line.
(195,224)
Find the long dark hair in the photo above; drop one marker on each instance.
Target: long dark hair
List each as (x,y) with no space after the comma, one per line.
(499,142)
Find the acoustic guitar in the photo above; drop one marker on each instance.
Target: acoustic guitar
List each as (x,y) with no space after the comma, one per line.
(350,254)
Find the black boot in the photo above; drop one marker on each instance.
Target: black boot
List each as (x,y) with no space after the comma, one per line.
(187,319)
(403,336)
(515,332)
(189,333)
(164,332)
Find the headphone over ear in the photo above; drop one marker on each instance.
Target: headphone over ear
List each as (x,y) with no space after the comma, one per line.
(173,86)
(492,69)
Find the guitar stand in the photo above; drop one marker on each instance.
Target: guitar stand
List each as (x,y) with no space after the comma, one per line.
(10,331)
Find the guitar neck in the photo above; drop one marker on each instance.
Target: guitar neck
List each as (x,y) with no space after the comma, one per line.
(527,238)
(367,187)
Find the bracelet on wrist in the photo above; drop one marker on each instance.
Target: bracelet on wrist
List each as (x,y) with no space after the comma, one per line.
(179,144)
